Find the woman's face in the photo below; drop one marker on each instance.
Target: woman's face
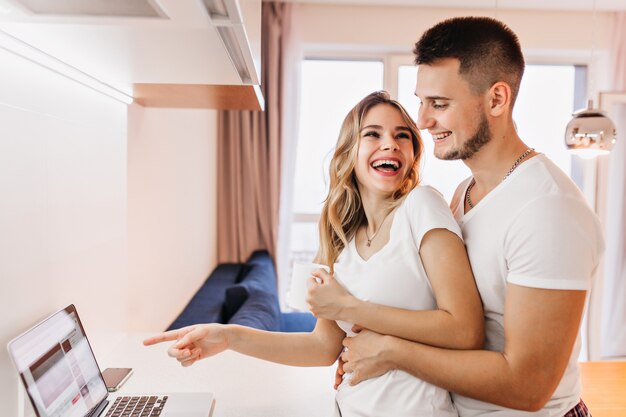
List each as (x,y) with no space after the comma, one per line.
(385,153)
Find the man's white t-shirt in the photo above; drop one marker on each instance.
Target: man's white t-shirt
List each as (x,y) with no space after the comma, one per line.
(534,229)
(395,276)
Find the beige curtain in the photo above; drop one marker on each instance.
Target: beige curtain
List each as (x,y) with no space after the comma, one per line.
(249,154)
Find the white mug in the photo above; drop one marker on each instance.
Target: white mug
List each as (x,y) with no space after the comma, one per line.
(300,274)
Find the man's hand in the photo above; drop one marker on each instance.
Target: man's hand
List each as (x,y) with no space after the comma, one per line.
(365,356)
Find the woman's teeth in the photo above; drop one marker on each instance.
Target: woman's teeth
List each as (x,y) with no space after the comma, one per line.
(386,164)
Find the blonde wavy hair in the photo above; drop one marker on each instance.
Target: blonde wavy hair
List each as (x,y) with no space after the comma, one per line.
(343,213)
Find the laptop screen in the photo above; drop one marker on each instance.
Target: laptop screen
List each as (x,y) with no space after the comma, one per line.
(58,367)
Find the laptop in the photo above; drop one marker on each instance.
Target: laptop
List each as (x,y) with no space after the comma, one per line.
(59,370)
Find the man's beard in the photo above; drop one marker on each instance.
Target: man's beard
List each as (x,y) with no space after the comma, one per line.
(473,144)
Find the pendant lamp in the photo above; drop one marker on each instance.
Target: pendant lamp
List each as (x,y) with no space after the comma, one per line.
(590,132)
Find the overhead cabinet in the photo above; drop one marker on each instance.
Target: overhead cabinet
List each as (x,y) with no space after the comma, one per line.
(165,53)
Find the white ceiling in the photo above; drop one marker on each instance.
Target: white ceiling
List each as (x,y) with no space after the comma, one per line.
(604,5)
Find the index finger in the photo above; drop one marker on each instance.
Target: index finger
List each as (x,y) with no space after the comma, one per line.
(339,374)
(164,337)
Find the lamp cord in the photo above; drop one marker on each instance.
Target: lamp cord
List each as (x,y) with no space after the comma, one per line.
(593,49)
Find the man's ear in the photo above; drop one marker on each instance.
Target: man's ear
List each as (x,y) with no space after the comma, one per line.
(499,99)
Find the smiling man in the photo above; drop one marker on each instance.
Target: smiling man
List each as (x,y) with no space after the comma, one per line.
(532,240)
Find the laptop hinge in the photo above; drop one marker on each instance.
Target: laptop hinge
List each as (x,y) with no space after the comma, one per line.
(99,409)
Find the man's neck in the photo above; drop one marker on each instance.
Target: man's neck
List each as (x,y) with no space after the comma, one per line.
(495,159)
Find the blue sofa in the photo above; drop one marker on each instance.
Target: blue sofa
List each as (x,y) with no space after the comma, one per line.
(244,294)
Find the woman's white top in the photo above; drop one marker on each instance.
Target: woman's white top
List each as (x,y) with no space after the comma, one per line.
(394,276)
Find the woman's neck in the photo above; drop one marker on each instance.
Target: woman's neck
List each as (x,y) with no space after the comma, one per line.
(376,209)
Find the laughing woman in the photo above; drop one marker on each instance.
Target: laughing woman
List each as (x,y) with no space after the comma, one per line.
(398,267)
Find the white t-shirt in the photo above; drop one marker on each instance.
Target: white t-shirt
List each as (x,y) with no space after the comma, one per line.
(395,276)
(534,229)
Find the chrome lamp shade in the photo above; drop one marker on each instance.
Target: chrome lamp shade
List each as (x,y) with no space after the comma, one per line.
(590,132)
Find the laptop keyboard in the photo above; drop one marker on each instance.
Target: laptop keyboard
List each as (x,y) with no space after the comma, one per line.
(137,406)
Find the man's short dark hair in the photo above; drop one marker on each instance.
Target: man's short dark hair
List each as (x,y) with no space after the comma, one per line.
(487,49)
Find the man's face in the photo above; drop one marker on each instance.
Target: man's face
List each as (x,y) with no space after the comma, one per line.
(453,115)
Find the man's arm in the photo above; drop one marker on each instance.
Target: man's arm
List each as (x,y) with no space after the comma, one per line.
(540,330)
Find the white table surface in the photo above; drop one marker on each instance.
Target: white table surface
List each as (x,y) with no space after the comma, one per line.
(242,386)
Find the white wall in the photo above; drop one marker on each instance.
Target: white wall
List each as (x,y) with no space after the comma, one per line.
(395,28)
(107,207)
(172,210)
(62,206)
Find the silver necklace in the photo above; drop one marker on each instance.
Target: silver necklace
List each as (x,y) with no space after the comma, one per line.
(473,182)
(369,239)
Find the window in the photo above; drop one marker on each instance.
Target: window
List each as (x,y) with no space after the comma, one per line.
(330,88)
